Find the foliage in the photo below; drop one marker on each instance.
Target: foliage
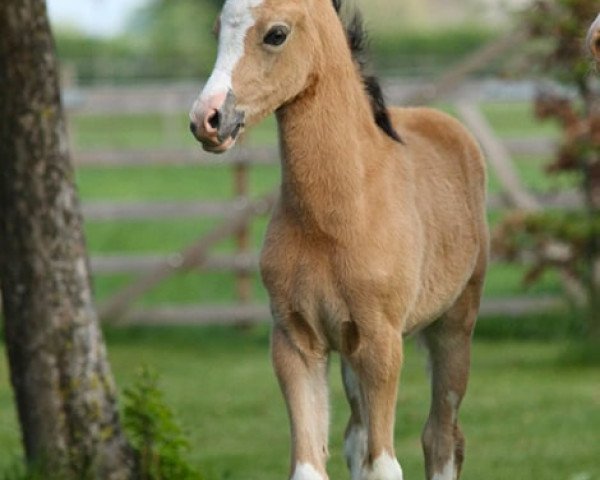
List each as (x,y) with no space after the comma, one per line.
(178,35)
(553,239)
(154,433)
(426,52)
(563,23)
(173,40)
(97,59)
(164,39)
(569,242)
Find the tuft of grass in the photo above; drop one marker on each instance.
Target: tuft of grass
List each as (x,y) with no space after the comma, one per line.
(157,438)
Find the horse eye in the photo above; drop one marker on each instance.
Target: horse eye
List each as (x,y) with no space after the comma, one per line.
(276,35)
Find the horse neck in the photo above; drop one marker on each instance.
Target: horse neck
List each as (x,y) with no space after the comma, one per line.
(329,143)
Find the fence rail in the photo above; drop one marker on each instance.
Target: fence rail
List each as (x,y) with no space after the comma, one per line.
(193,256)
(143,264)
(152,269)
(518,147)
(153,210)
(255,313)
(238,212)
(173,157)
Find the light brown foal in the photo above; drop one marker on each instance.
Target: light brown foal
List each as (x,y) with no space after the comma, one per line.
(379,231)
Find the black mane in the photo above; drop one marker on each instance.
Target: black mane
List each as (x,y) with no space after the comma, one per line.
(358,43)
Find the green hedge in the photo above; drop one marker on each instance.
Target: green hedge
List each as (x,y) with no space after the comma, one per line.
(421,53)
(137,57)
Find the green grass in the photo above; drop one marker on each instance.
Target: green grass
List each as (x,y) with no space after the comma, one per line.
(516,119)
(130,131)
(184,289)
(147,131)
(156,183)
(527,415)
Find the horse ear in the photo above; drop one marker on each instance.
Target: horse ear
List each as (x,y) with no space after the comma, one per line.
(593,38)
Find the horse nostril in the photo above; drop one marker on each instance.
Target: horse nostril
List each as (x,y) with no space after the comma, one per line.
(214,119)
(193,128)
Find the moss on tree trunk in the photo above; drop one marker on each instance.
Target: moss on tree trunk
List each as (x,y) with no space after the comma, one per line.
(63,386)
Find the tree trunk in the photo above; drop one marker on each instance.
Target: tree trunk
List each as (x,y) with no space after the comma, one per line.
(63,386)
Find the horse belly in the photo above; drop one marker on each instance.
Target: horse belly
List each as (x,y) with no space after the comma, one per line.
(449,265)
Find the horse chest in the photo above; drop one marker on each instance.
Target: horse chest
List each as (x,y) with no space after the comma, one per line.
(323,285)
(296,273)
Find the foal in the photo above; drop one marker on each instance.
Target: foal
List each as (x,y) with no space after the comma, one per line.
(379,231)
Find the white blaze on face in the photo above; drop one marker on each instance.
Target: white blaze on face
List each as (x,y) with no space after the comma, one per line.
(236,20)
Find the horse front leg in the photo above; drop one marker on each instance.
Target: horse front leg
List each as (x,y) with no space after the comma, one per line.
(372,361)
(301,369)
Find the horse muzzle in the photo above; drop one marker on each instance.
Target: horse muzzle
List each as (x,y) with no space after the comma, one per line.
(216,124)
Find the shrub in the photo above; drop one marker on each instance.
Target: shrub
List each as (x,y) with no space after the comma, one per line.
(158,439)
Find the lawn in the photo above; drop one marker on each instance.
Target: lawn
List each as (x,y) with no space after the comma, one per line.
(527,415)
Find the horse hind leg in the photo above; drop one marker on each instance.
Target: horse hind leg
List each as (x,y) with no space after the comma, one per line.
(448,341)
(355,436)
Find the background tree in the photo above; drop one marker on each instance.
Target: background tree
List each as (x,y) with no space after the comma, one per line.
(64,390)
(176,36)
(568,241)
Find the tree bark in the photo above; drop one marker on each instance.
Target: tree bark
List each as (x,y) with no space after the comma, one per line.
(63,386)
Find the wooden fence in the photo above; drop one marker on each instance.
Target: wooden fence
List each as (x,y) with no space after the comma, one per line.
(236,216)
(237,213)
